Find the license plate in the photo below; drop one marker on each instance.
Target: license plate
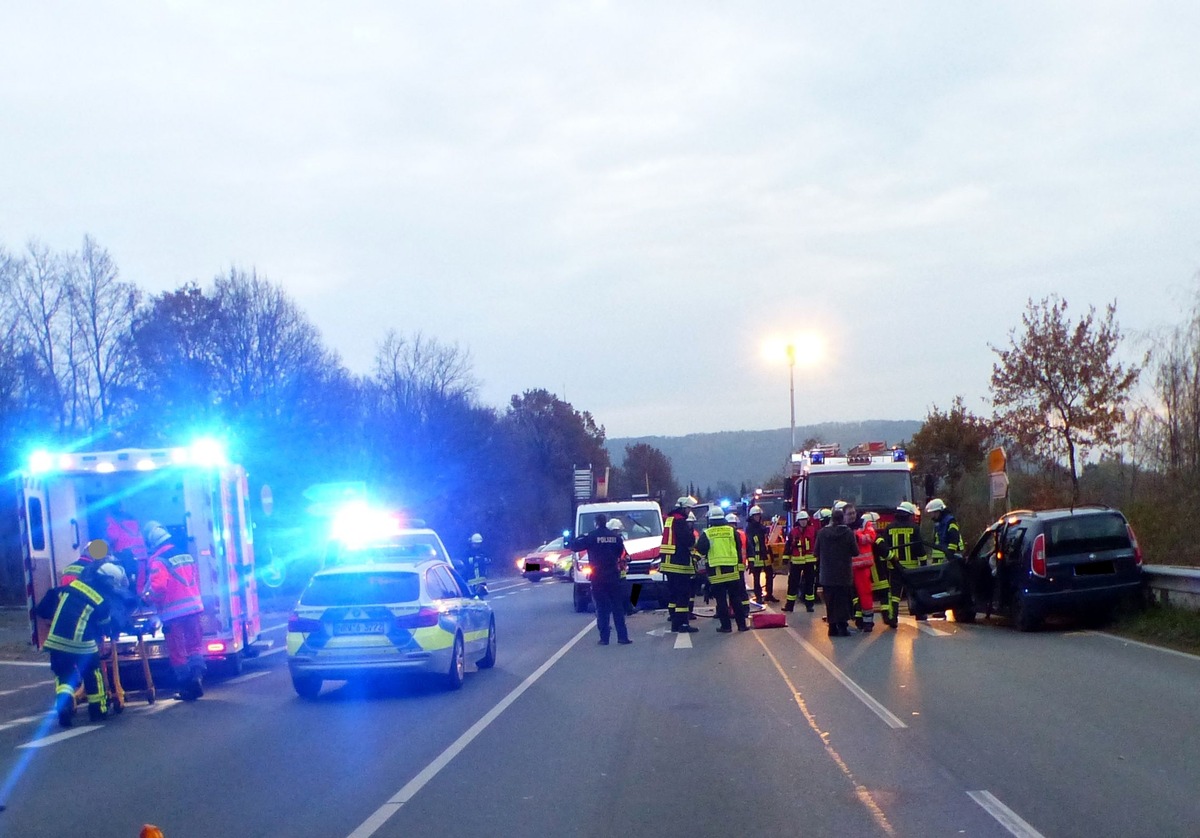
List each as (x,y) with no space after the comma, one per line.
(533,568)
(358,628)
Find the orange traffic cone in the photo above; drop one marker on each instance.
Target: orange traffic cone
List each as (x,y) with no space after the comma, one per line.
(150,831)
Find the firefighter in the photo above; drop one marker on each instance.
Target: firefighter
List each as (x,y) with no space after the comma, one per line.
(721,548)
(605,547)
(863,566)
(678,539)
(901,548)
(732,520)
(947,536)
(96,551)
(475,564)
(79,617)
(175,593)
(759,556)
(802,564)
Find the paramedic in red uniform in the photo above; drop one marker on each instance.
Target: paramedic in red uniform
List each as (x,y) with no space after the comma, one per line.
(127,545)
(175,593)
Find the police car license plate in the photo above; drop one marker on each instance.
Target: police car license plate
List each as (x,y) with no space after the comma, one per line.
(359,628)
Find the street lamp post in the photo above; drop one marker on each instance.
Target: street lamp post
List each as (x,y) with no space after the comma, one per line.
(791,355)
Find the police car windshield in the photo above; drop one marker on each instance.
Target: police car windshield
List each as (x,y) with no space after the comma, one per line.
(865,489)
(638,523)
(362,588)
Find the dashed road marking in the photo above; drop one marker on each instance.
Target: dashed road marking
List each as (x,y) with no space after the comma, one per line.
(278,651)
(24,720)
(924,627)
(54,738)
(249,676)
(683,641)
(275,627)
(26,687)
(23,663)
(1005,816)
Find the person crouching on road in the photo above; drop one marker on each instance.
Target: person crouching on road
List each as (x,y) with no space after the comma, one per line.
(678,540)
(720,546)
(606,553)
(835,549)
(175,594)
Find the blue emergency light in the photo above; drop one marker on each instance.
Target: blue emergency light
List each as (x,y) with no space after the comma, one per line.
(898,455)
(818,458)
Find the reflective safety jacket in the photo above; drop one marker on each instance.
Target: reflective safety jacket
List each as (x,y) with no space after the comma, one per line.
(719,544)
(75,569)
(174,583)
(865,537)
(678,541)
(947,538)
(901,542)
(756,544)
(128,548)
(799,548)
(80,620)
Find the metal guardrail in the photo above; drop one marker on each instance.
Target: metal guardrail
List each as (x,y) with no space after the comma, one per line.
(1178,586)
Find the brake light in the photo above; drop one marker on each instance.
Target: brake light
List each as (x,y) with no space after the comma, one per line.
(303,625)
(1038,562)
(586,570)
(1137,551)
(426,617)
(217,647)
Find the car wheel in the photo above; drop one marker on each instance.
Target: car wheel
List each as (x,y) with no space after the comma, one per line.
(231,667)
(307,686)
(537,577)
(489,657)
(458,664)
(1022,618)
(581,599)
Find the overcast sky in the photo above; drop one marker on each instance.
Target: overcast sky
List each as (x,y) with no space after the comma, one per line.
(619,202)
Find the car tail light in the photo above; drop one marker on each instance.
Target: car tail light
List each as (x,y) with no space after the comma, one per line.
(586,570)
(1038,562)
(303,624)
(216,647)
(424,618)
(1137,550)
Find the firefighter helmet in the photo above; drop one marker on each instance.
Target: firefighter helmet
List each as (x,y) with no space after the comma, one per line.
(935,505)
(114,573)
(97,548)
(801,515)
(755,510)
(840,504)
(824,514)
(686,502)
(155,535)
(731,518)
(615,525)
(871,518)
(715,513)
(908,508)
(477,539)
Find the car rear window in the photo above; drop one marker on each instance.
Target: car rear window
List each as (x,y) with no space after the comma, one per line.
(1086,534)
(362,589)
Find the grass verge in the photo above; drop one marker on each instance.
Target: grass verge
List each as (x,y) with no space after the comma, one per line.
(1162,625)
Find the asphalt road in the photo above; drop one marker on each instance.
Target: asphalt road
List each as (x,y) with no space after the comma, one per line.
(941,730)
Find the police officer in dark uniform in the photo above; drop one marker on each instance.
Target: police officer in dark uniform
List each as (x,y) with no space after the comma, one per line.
(606,553)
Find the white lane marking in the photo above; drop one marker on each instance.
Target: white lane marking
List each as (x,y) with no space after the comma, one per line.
(1121,639)
(924,627)
(889,718)
(498,596)
(275,627)
(278,651)
(509,587)
(1006,817)
(23,663)
(683,641)
(59,737)
(157,707)
(24,720)
(658,632)
(380,816)
(249,676)
(25,687)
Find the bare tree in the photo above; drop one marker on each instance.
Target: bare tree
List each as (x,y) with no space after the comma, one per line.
(416,374)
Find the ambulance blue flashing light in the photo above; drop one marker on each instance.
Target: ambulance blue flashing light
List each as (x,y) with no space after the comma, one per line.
(357,523)
(207,453)
(818,458)
(726,503)
(899,455)
(41,462)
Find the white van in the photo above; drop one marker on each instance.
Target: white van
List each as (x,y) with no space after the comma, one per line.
(643,523)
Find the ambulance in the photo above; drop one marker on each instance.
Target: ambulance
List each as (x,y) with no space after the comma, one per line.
(874,477)
(68,498)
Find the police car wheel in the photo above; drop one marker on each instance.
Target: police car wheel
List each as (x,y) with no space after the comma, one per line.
(458,664)
(307,686)
(489,658)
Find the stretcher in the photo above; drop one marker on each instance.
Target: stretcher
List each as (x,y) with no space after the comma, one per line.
(138,653)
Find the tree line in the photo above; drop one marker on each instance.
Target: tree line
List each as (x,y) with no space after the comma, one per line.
(92,362)
(1077,427)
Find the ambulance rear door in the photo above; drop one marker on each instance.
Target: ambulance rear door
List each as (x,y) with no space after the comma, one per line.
(36,551)
(205,545)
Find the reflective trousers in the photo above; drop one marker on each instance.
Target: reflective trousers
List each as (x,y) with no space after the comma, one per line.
(864,596)
(680,589)
(730,596)
(802,582)
(69,670)
(757,571)
(185,646)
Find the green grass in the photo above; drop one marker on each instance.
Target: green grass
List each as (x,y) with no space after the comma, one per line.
(1162,625)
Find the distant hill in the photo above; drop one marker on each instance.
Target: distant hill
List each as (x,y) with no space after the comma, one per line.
(753,456)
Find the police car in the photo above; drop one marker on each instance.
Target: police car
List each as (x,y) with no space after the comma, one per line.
(367,619)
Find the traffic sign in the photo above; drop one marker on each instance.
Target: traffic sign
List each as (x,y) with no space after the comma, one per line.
(999,486)
(997,461)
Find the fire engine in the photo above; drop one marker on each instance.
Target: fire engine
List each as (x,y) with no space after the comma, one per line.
(193,491)
(873,476)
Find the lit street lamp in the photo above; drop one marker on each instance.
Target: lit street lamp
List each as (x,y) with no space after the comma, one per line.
(804,347)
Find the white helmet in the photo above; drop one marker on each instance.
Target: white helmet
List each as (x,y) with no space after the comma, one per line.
(870,518)
(615,525)
(935,505)
(115,573)
(155,535)
(477,539)
(908,507)
(686,502)
(840,504)
(801,515)
(731,518)
(715,513)
(755,510)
